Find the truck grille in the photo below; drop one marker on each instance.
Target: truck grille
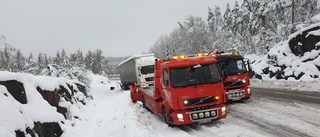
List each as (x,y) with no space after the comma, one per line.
(149,79)
(226,84)
(199,101)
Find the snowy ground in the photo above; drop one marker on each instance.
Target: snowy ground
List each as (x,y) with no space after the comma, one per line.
(111,113)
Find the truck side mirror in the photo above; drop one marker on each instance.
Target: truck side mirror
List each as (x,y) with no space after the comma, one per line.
(248,63)
(250,67)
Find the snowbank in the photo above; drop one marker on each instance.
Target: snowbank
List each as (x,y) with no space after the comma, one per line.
(16,116)
(291,62)
(298,85)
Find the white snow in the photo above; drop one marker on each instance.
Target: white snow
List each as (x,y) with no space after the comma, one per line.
(304,29)
(17,116)
(281,55)
(308,85)
(12,119)
(111,112)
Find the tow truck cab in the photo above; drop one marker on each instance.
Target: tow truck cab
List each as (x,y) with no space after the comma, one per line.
(237,70)
(186,90)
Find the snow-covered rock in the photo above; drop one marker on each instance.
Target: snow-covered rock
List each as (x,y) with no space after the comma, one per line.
(298,58)
(31,105)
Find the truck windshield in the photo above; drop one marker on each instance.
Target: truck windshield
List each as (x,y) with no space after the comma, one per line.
(235,67)
(147,70)
(194,75)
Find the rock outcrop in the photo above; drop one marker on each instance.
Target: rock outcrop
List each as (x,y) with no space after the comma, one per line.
(296,59)
(66,92)
(305,41)
(16,89)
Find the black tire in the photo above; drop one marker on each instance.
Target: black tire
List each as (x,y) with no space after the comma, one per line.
(125,86)
(165,118)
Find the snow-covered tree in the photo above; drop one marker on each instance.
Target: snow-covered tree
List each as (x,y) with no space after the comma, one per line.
(98,62)
(89,60)
(19,64)
(41,61)
(57,59)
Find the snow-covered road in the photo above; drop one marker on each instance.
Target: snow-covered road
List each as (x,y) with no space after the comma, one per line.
(112,114)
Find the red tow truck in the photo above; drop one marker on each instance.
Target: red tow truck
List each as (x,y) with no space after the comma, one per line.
(186,90)
(237,70)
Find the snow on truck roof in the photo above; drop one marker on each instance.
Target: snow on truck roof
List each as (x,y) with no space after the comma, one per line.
(134,57)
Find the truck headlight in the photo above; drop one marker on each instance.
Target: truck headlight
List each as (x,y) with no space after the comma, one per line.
(180,117)
(223,110)
(185,102)
(144,85)
(249,91)
(243,81)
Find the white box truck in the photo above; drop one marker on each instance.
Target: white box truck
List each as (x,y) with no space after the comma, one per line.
(137,69)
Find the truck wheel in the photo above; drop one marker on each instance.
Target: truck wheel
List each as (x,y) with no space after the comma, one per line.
(125,86)
(164,115)
(165,118)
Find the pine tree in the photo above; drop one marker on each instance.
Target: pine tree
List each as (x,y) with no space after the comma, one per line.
(57,59)
(64,60)
(89,60)
(19,62)
(41,61)
(6,59)
(98,61)
(227,18)
(236,18)
(46,60)
(80,59)
(73,59)
(2,60)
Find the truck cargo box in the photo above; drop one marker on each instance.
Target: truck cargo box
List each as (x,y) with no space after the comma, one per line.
(129,70)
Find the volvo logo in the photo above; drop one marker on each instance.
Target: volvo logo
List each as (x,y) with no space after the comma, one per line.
(201,100)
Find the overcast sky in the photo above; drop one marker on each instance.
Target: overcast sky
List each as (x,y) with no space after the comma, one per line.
(117,27)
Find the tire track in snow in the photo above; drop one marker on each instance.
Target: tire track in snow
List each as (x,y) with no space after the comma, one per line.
(258,113)
(263,125)
(199,130)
